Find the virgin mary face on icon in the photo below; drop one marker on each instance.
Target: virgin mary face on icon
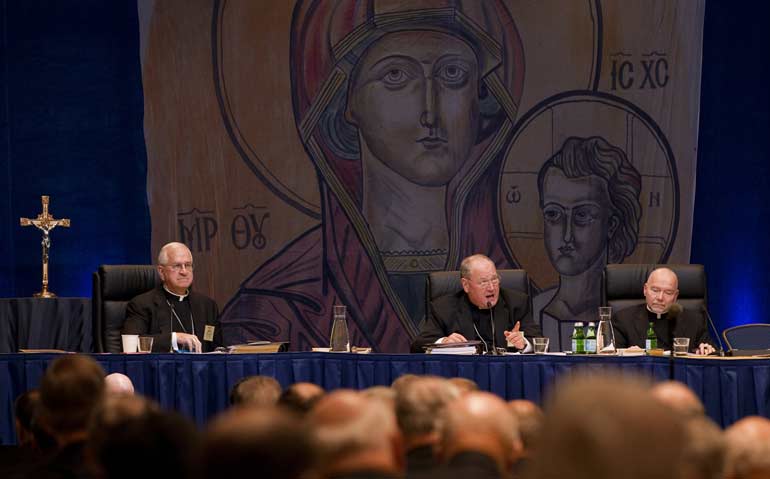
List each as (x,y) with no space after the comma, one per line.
(415,100)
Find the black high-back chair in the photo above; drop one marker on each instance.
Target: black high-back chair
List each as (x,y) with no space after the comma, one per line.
(113,287)
(441,283)
(623,285)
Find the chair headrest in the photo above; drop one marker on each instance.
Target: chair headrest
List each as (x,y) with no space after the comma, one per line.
(123,282)
(626,281)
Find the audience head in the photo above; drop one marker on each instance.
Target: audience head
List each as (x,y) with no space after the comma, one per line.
(704,450)
(480,422)
(661,290)
(355,433)
(29,432)
(598,426)
(24,409)
(530,418)
(300,397)
(270,441)
(71,388)
(403,380)
(465,385)
(130,437)
(255,391)
(419,404)
(117,383)
(382,393)
(678,397)
(748,448)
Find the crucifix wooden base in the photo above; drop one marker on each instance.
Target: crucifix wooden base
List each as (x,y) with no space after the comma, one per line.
(45,223)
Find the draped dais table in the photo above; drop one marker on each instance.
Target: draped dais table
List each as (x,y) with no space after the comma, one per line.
(199,385)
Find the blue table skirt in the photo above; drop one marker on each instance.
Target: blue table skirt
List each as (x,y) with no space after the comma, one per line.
(199,385)
(729,389)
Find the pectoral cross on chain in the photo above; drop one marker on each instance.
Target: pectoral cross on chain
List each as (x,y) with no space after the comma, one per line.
(45,223)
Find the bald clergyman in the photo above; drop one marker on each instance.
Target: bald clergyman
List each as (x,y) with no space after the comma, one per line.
(668,318)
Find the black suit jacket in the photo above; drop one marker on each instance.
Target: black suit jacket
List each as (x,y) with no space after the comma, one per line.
(471,464)
(150,314)
(631,325)
(452,314)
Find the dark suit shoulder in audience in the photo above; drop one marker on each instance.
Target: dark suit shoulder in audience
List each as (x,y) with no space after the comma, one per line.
(471,464)
(420,463)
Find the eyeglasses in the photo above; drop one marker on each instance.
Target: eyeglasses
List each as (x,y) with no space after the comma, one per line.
(485,283)
(177,267)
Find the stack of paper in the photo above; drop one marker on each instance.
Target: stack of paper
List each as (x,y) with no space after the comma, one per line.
(463,350)
(466,348)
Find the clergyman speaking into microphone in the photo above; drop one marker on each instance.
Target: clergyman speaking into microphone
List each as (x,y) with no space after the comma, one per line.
(480,311)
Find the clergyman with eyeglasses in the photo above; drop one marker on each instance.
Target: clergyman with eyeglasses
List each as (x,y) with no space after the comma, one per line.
(668,318)
(466,315)
(178,318)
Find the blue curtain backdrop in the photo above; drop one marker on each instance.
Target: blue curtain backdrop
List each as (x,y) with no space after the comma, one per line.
(732,199)
(71,124)
(72,111)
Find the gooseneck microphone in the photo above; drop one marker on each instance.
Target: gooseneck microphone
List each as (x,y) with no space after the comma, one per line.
(486,348)
(492,322)
(705,310)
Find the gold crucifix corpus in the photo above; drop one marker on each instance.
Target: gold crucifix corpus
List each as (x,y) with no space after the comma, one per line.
(45,223)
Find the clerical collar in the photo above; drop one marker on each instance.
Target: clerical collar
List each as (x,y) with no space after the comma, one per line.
(174,296)
(657,315)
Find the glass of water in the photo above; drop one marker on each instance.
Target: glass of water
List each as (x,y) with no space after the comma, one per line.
(681,346)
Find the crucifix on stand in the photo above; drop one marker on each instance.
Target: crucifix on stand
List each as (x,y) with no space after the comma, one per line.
(45,223)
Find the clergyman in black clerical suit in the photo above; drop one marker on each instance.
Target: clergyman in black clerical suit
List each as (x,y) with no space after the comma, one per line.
(465,315)
(668,318)
(175,316)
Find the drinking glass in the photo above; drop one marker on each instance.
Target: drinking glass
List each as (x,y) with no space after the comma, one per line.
(605,313)
(681,346)
(340,341)
(145,344)
(540,345)
(605,338)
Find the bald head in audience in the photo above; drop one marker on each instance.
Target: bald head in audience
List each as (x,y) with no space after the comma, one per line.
(255,391)
(480,424)
(705,449)
(403,380)
(355,433)
(300,397)
(607,427)
(419,404)
(748,448)
(464,385)
(269,441)
(678,397)
(383,393)
(117,383)
(530,418)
